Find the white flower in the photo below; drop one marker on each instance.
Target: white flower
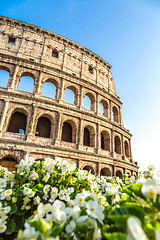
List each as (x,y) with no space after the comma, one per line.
(28,192)
(82,218)
(75,212)
(58,161)
(59,216)
(3,183)
(68,212)
(29,161)
(64,165)
(37,200)
(46,177)
(149,189)
(48,161)
(62,194)
(9,176)
(7,193)
(26,200)
(4,211)
(81,198)
(70,190)
(50,167)
(46,188)
(30,233)
(70,227)
(34,176)
(82,174)
(135,231)
(2,228)
(95,210)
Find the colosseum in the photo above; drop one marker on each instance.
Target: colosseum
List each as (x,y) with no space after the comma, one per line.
(59,99)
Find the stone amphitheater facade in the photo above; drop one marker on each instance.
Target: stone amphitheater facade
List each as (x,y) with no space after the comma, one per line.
(93,141)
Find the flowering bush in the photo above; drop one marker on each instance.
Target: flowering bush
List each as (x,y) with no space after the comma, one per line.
(52,199)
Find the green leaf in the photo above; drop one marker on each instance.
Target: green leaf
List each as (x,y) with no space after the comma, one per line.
(136,189)
(112,229)
(20,212)
(89,198)
(120,220)
(129,211)
(38,188)
(115,236)
(10,226)
(19,221)
(41,225)
(13,208)
(56,230)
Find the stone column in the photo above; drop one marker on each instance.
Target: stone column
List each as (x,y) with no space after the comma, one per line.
(38,88)
(112,142)
(97,104)
(13,78)
(119,115)
(98,139)
(3,117)
(80,98)
(31,124)
(58,130)
(61,91)
(110,111)
(80,147)
(122,148)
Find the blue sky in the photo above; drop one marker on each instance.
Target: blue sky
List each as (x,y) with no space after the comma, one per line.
(126,33)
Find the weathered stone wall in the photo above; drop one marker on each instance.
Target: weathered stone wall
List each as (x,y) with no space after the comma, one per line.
(75,67)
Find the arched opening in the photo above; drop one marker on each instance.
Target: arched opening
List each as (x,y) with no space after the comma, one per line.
(89,102)
(17,123)
(119,174)
(105,172)
(89,136)
(89,169)
(26,84)
(104,108)
(43,127)
(49,90)
(117,145)
(70,96)
(67,132)
(126,148)
(86,137)
(4,77)
(115,114)
(105,141)
(9,163)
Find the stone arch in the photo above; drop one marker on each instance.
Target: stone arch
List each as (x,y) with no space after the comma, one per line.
(117,145)
(26,82)
(71,95)
(105,140)
(119,174)
(89,168)
(104,108)
(89,104)
(89,136)
(50,88)
(115,114)
(4,76)
(68,131)
(126,148)
(17,122)
(105,172)
(9,162)
(43,128)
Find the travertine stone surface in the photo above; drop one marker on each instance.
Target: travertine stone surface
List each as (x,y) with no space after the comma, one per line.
(31,55)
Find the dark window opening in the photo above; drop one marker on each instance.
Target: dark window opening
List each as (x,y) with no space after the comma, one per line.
(105,172)
(119,174)
(55,53)
(12,40)
(89,169)
(126,148)
(86,138)
(9,163)
(102,141)
(67,132)
(90,69)
(43,127)
(17,123)
(117,143)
